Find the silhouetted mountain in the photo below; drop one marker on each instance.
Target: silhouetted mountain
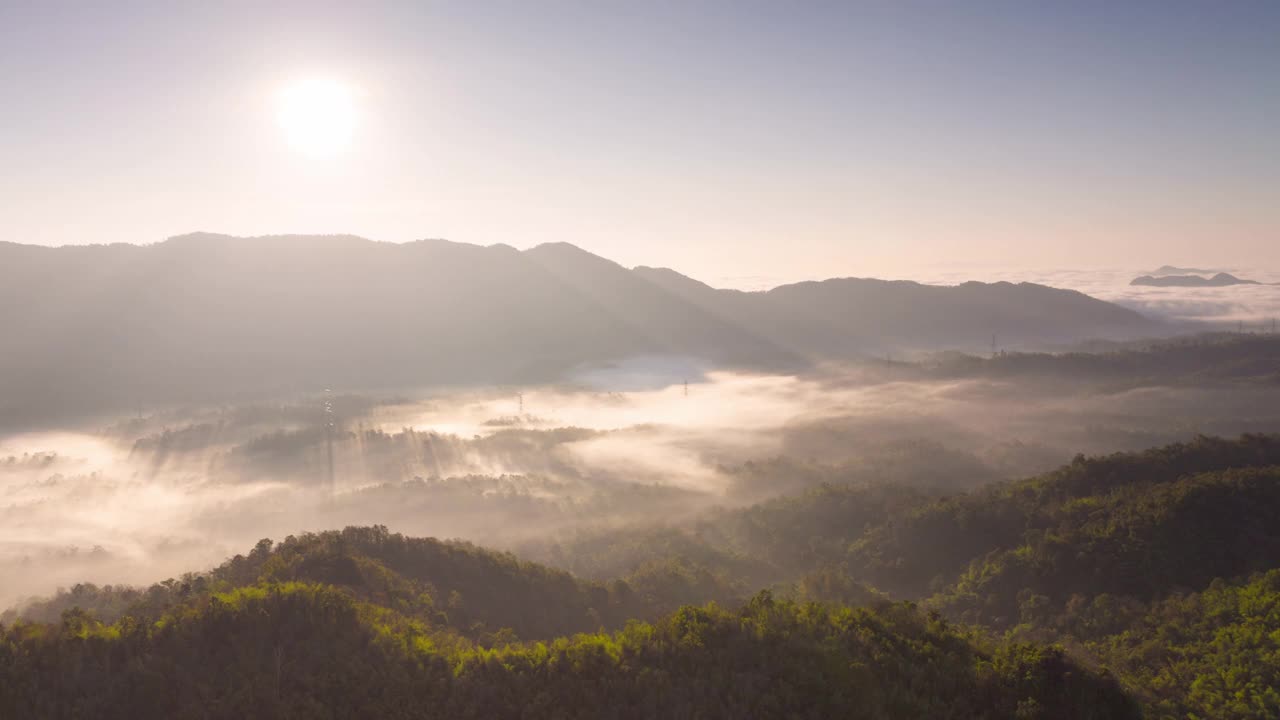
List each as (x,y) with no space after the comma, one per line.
(203,317)
(1175,270)
(852,315)
(1219,280)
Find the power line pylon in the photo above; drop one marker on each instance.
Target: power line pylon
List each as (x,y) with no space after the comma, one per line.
(328,442)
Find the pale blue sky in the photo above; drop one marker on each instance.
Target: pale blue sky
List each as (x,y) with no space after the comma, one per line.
(787,139)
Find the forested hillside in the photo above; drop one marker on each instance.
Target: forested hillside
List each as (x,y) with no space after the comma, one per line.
(1146,563)
(361,648)
(469,590)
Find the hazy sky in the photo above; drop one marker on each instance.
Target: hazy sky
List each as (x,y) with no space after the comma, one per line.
(786,139)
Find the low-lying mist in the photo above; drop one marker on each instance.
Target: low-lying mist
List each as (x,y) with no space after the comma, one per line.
(151,496)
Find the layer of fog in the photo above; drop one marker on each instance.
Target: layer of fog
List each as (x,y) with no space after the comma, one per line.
(153,496)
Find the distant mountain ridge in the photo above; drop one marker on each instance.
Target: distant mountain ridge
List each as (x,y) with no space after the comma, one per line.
(851,315)
(1219,280)
(206,316)
(1175,270)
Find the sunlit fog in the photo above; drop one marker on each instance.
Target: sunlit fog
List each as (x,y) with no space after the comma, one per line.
(144,497)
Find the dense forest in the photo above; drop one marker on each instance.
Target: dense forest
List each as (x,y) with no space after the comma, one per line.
(360,634)
(1116,586)
(1163,566)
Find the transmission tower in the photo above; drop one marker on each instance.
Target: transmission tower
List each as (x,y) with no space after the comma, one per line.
(328,441)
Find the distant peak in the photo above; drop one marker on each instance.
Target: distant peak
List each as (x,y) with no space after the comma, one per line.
(197,237)
(558,247)
(1175,270)
(563,252)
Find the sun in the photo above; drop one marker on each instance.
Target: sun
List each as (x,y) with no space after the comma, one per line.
(318,116)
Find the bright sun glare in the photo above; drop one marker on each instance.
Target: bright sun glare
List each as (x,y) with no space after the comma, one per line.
(318,116)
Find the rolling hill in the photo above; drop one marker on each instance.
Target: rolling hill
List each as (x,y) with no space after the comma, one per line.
(317,649)
(1162,565)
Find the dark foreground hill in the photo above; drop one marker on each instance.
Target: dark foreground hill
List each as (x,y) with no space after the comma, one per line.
(307,649)
(210,317)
